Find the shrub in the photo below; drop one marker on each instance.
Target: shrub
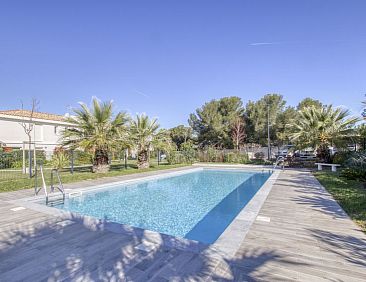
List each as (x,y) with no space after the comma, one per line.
(259,155)
(212,155)
(11,159)
(17,164)
(236,157)
(60,159)
(40,155)
(82,158)
(174,157)
(244,158)
(229,157)
(188,152)
(356,167)
(341,157)
(14,158)
(354,174)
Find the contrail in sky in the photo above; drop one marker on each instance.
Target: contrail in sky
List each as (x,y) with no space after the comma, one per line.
(142,93)
(263,43)
(336,41)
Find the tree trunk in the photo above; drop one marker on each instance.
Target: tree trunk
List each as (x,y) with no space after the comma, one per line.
(143,159)
(101,161)
(323,153)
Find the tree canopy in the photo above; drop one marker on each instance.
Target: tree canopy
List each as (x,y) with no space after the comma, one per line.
(224,123)
(257,117)
(309,102)
(212,122)
(180,134)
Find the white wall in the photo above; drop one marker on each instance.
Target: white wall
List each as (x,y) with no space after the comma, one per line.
(11,132)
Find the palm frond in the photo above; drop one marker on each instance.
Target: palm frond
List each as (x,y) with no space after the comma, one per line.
(95,128)
(316,126)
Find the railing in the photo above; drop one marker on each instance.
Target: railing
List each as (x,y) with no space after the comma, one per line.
(52,186)
(44,186)
(280,159)
(60,187)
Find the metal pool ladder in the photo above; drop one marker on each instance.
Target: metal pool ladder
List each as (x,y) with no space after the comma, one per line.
(52,197)
(280,159)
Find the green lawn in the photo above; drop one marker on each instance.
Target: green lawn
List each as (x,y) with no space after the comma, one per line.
(11,181)
(348,193)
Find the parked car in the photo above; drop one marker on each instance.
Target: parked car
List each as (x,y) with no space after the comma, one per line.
(285,151)
(307,154)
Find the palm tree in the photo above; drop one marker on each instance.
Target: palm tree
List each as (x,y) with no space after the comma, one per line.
(361,135)
(143,132)
(96,130)
(322,127)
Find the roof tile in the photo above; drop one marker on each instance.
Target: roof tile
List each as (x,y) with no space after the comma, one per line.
(36,115)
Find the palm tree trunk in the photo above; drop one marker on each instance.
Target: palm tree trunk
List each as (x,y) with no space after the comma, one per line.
(101,161)
(143,159)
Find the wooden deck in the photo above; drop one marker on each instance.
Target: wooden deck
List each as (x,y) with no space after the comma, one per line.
(301,234)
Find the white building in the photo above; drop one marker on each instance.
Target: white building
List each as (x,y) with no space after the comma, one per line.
(46,131)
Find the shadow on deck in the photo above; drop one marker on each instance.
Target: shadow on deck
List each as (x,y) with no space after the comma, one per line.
(63,250)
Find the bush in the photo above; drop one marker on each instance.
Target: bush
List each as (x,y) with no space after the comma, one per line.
(40,155)
(236,157)
(11,159)
(188,152)
(354,174)
(229,157)
(259,155)
(355,167)
(60,159)
(212,154)
(174,157)
(341,157)
(14,158)
(17,164)
(260,162)
(82,158)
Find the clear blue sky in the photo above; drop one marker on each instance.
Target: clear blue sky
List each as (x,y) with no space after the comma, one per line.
(166,58)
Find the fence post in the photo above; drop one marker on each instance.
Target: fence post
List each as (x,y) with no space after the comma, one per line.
(72,162)
(35,180)
(125,158)
(30,160)
(158,157)
(34,155)
(24,164)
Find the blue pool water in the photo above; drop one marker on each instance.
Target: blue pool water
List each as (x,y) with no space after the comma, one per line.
(198,205)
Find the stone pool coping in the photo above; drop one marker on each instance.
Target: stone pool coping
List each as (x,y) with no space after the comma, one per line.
(225,246)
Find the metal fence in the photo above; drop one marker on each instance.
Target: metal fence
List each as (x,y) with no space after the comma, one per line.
(18,163)
(18,160)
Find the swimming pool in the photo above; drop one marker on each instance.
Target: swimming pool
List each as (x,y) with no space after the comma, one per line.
(197,205)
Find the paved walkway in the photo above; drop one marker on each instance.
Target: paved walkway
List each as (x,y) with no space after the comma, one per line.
(301,234)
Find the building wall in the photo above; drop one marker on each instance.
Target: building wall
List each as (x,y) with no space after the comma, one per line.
(46,136)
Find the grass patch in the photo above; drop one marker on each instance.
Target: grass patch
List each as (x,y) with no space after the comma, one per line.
(19,181)
(348,193)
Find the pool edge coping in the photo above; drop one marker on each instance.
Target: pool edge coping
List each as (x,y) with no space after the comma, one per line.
(234,235)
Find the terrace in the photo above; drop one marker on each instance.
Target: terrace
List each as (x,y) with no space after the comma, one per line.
(300,233)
